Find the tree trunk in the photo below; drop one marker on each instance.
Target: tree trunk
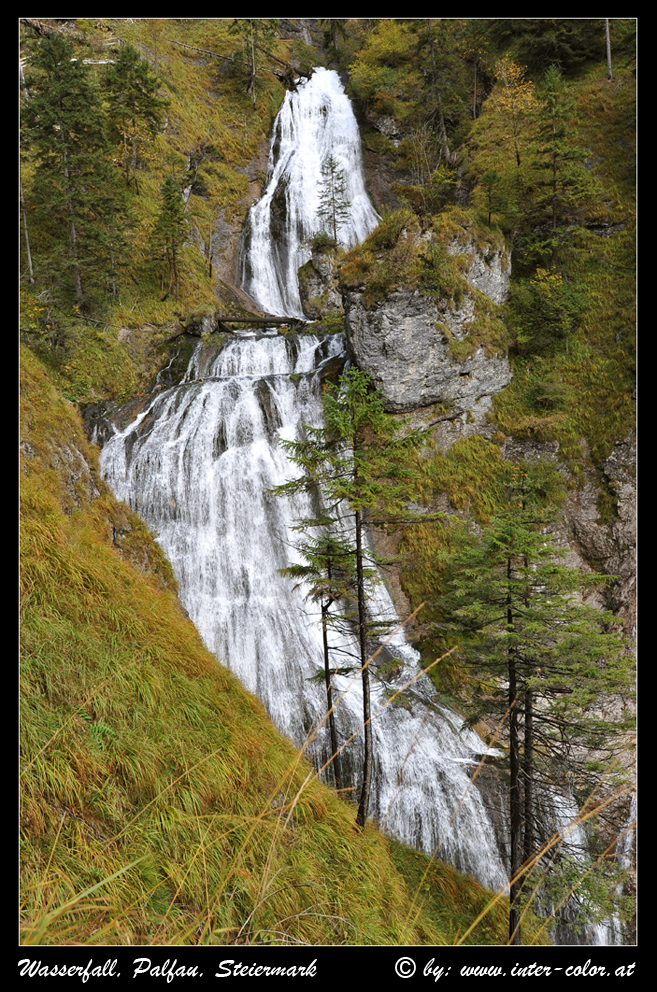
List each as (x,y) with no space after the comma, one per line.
(362,635)
(337,773)
(610,75)
(76,268)
(72,235)
(27,239)
(515,807)
(252,81)
(528,774)
(450,158)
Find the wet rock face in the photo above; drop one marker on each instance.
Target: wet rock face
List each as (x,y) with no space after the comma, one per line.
(401,342)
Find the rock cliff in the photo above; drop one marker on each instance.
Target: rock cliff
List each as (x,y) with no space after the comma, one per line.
(409,340)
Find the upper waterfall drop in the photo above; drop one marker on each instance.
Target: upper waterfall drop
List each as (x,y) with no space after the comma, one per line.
(315,123)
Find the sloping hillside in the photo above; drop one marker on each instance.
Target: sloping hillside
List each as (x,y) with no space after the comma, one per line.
(159,803)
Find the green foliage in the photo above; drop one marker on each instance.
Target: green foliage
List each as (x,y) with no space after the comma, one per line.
(438,274)
(386,259)
(545,311)
(257,34)
(383,67)
(412,70)
(334,206)
(333,322)
(429,197)
(564,186)
(169,233)
(135,111)
(79,210)
(357,457)
(157,66)
(321,241)
(539,43)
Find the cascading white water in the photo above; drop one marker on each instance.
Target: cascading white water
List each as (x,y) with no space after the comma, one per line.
(561,815)
(314,123)
(197,465)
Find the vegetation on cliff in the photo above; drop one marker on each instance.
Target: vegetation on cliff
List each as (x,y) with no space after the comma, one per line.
(159,805)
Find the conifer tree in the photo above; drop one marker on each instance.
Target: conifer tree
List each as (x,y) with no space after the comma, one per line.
(168,235)
(79,209)
(333,203)
(258,34)
(442,68)
(563,182)
(538,652)
(357,463)
(474,44)
(135,111)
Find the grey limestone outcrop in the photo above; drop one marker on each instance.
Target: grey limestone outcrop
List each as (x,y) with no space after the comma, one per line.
(403,341)
(489,271)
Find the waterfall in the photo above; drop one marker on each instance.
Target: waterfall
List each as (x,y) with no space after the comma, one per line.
(197,465)
(574,925)
(314,124)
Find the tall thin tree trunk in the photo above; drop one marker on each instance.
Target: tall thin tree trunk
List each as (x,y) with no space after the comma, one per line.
(337,773)
(27,239)
(515,806)
(528,775)
(528,849)
(362,636)
(73,242)
(610,75)
(72,234)
(252,81)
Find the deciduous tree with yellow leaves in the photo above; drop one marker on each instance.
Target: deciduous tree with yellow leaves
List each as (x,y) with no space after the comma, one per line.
(515,101)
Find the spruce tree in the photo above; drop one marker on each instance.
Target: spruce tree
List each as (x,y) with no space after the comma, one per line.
(134,108)
(333,203)
(79,209)
(258,35)
(168,235)
(357,463)
(439,63)
(539,653)
(563,183)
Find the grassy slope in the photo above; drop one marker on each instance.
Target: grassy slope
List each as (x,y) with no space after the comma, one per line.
(159,803)
(141,756)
